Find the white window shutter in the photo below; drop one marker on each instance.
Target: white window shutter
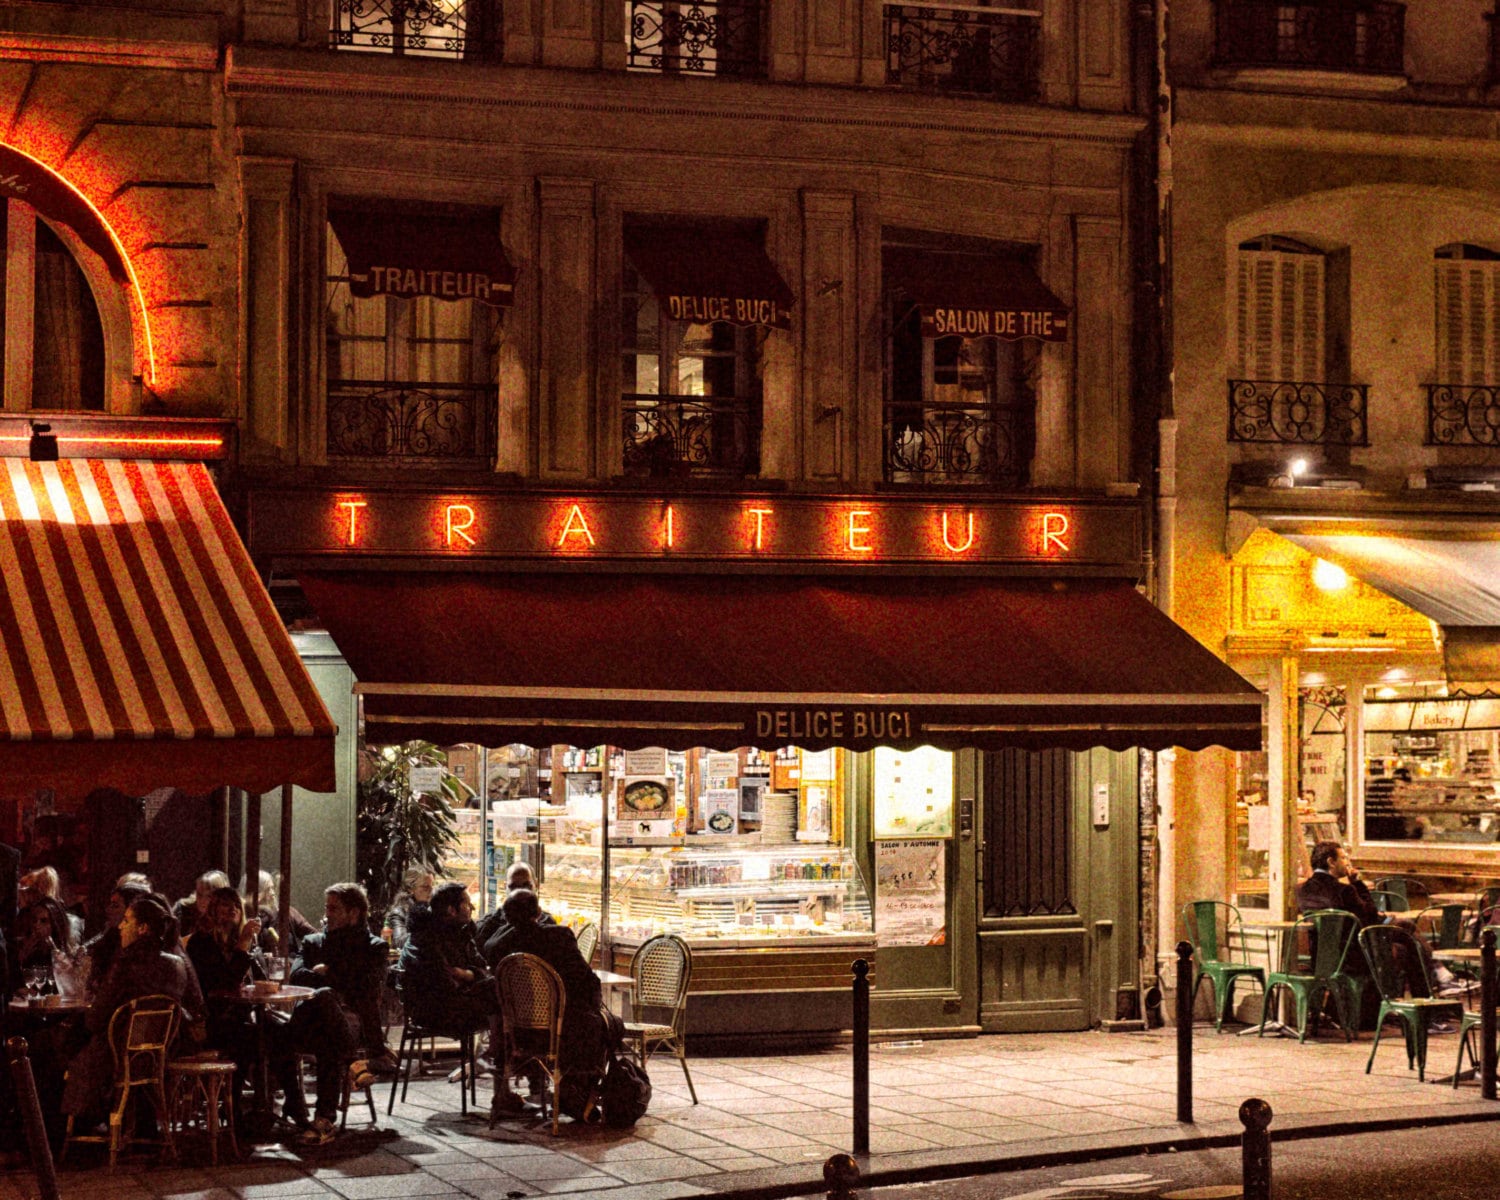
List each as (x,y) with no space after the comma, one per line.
(1468,321)
(1280,312)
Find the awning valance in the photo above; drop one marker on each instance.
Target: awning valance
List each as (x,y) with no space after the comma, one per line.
(138,647)
(407,255)
(1451,577)
(705,660)
(969,295)
(704,276)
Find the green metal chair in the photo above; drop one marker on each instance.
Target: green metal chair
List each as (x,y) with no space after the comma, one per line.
(1327,933)
(1417,1014)
(1441,926)
(1389,902)
(1210,926)
(1409,889)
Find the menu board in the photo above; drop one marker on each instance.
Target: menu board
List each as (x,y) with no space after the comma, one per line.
(911,899)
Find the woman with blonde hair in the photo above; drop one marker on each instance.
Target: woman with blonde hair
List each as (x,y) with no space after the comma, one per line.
(416,891)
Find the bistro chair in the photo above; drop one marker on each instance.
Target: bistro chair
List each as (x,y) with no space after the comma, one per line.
(1486,910)
(588,941)
(1409,889)
(662,969)
(1327,933)
(201,1087)
(409,1051)
(1416,1014)
(140,1032)
(1212,925)
(347,1087)
(532,1001)
(1389,902)
(1441,926)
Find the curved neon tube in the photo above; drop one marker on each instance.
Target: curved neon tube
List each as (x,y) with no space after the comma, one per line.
(140,298)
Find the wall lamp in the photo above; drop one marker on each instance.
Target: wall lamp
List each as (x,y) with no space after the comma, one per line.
(43,444)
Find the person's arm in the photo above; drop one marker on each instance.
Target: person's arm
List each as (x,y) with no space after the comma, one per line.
(1362,904)
(312,953)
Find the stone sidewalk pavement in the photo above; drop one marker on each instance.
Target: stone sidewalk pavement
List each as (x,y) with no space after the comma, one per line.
(769,1122)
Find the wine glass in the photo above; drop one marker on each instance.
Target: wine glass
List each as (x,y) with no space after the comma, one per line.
(36,983)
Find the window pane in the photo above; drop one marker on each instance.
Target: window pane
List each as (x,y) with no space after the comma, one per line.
(68,354)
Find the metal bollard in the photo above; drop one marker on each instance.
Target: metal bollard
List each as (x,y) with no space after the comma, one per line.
(861,1057)
(1487,1000)
(841,1174)
(31,1114)
(1255,1149)
(1185,1032)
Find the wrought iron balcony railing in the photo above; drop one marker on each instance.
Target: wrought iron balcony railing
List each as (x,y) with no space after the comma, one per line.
(704,436)
(1329,35)
(953,444)
(1298,413)
(711,37)
(466,29)
(1463,414)
(448,423)
(962,48)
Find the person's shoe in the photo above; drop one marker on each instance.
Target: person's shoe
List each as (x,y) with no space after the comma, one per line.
(360,1075)
(383,1064)
(319,1133)
(294,1115)
(1455,989)
(1442,1027)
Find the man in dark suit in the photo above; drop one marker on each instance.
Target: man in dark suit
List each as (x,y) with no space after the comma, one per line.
(583,1028)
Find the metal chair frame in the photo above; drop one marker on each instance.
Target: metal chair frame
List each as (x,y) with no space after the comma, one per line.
(409,1050)
(532,998)
(207,1081)
(1329,933)
(662,969)
(140,1035)
(588,941)
(1202,919)
(1415,1014)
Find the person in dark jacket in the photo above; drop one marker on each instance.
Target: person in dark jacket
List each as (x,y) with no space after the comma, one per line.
(446,983)
(224,956)
(518,878)
(583,1031)
(351,961)
(104,946)
(142,968)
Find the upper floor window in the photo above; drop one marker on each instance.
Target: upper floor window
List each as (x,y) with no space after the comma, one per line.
(697,303)
(412,327)
(461,29)
(704,37)
(1281,309)
(49,322)
(979,48)
(1467,314)
(963,359)
(1329,35)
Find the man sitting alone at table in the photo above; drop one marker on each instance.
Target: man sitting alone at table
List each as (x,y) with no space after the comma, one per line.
(350,960)
(1335,883)
(583,1031)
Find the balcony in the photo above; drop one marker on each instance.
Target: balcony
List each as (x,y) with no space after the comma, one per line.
(954,445)
(412,424)
(463,29)
(1298,413)
(708,38)
(1328,35)
(963,49)
(704,437)
(1463,414)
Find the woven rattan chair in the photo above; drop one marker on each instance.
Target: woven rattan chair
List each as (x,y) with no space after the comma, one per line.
(140,1033)
(202,1087)
(662,969)
(532,1001)
(588,940)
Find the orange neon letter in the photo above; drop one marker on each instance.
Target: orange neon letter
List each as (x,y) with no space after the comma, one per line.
(669,527)
(760,515)
(948,541)
(1054,525)
(458,528)
(576,527)
(856,530)
(353,507)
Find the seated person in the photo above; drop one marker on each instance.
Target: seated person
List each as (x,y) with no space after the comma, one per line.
(39,888)
(192,911)
(415,895)
(351,961)
(142,968)
(519,877)
(36,939)
(584,1024)
(223,955)
(268,908)
(105,945)
(446,984)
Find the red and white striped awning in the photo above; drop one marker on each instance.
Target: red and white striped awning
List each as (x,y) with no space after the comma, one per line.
(138,646)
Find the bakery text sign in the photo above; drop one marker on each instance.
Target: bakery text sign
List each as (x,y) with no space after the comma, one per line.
(847,529)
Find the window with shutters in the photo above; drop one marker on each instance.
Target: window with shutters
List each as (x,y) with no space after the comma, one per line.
(1467,314)
(1281,311)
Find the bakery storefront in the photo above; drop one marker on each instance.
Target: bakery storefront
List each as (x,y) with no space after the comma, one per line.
(796,730)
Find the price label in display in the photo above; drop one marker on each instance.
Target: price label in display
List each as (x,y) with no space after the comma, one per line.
(426,781)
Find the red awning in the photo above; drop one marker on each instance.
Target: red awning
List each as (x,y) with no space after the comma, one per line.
(445,257)
(971,295)
(704,276)
(710,660)
(138,647)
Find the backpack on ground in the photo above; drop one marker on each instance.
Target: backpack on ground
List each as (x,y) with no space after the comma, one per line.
(625,1093)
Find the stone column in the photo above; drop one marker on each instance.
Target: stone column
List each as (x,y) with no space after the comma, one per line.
(567,412)
(268,294)
(827,300)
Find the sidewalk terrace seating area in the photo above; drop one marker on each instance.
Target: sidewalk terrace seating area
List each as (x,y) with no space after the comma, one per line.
(766,1120)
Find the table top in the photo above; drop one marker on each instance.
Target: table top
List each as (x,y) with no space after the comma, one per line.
(611,980)
(288,995)
(1462,953)
(1268,926)
(49,1004)
(1451,897)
